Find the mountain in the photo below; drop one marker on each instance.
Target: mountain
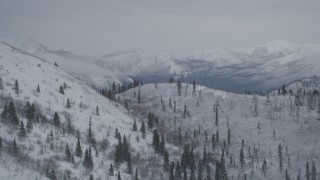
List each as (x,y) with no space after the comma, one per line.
(84,68)
(43,149)
(261,68)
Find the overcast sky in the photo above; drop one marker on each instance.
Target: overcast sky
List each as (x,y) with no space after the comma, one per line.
(177,26)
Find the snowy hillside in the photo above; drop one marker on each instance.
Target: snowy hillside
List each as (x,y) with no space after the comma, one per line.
(262,122)
(263,67)
(44,149)
(85,68)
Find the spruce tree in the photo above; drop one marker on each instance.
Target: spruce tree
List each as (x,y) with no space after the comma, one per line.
(38,88)
(216,113)
(56,119)
(14,148)
(287,175)
(299,175)
(264,167)
(166,161)
(119,175)
(16,87)
(307,171)
(162,145)
(313,172)
(29,126)
(139,98)
(171,173)
(134,127)
(200,170)
(97,111)
(78,151)
(91,177)
(1,84)
(1,145)
(68,105)
(241,158)
(178,173)
(280,157)
(156,141)
(68,153)
(12,115)
(22,130)
(4,114)
(143,130)
(111,170)
(61,89)
(129,164)
(136,177)
(229,136)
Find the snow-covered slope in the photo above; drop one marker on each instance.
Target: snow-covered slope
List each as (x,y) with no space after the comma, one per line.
(263,67)
(85,68)
(262,122)
(30,72)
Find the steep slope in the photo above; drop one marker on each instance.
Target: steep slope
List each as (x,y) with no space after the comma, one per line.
(85,68)
(263,67)
(262,122)
(38,152)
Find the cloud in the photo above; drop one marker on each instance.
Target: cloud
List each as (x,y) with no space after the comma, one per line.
(98,27)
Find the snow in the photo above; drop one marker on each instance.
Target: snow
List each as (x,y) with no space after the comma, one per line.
(300,135)
(31,71)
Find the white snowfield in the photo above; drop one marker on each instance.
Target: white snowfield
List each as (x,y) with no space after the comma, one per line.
(31,72)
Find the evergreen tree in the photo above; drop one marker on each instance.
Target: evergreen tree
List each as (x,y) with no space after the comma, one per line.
(52,175)
(200,169)
(38,88)
(129,164)
(313,172)
(162,145)
(119,175)
(216,105)
(22,130)
(134,127)
(29,126)
(143,130)
(111,170)
(91,177)
(156,141)
(136,176)
(229,136)
(68,153)
(87,162)
(166,161)
(264,167)
(56,120)
(280,157)
(217,136)
(287,175)
(139,98)
(14,148)
(12,115)
(241,158)
(1,145)
(307,171)
(97,111)
(16,87)
(61,89)
(171,173)
(68,105)
(1,84)
(223,169)
(213,141)
(78,151)
(90,134)
(150,120)
(299,175)
(4,114)
(178,173)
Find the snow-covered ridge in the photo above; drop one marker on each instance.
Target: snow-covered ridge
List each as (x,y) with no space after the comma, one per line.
(30,72)
(83,67)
